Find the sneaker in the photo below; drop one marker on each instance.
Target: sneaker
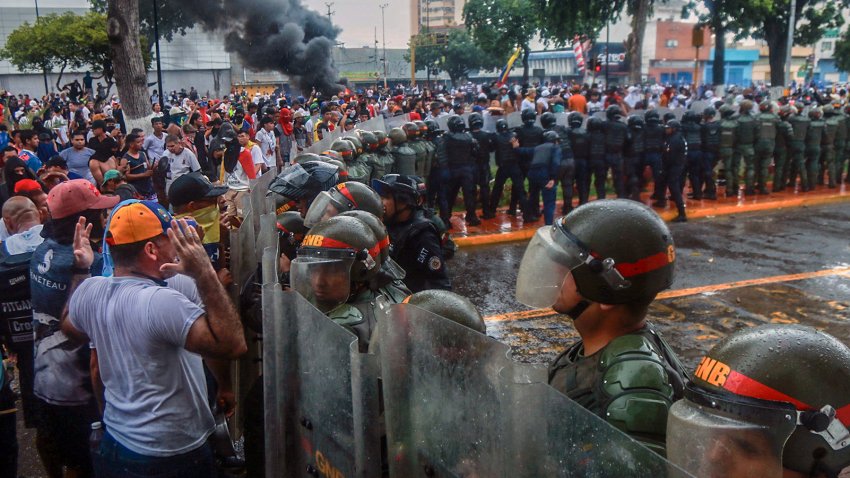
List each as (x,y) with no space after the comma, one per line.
(681,218)
(473,221)
(488,215)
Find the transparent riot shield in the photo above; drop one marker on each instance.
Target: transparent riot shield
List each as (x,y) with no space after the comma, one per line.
(676,111)
(321,394)
(396,121)
(699,106)
(490,122)
(259,191)
(243,260)
(561,119)
(443,122)
(267,235)
(441,396)
(514,119)
(372,124)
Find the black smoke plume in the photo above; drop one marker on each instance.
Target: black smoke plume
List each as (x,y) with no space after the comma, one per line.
(279,35)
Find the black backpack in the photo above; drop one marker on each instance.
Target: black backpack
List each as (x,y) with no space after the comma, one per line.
(160,171)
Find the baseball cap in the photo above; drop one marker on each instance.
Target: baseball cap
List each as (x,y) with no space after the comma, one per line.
(76,196)
(137,221)
(192,187)
(110,175)
(25,185)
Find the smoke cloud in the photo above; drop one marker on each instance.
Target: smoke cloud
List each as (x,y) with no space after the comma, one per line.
(279,35)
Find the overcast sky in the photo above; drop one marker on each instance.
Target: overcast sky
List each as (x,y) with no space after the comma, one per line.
(359,18)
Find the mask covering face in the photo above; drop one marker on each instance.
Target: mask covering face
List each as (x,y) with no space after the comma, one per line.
(207,218)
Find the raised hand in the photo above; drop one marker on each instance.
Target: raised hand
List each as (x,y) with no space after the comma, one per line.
(83,254)
(192,257)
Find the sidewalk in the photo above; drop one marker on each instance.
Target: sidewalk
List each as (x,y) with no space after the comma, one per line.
(505,228)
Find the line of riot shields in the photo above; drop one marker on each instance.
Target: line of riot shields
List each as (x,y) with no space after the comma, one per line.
(433,399)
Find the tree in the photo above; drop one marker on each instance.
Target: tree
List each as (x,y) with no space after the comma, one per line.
(58,42)
(499,26)
(737,17)
(457,56)
(172,16)
(122,30)
(842,52)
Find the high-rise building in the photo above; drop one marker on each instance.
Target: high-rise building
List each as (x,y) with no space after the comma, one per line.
(435,15)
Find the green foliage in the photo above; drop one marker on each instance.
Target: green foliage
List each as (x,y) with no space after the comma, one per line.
(842,52)
(499,26)
(457,57)
(561,20)
(172,19)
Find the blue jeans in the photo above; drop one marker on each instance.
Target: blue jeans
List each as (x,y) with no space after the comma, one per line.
(114,460)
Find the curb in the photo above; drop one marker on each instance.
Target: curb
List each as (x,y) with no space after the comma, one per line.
(694,212)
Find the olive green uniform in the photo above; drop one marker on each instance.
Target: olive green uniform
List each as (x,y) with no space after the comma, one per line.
(782,153)
(756,176)
(797,165)
(731,162)
(827,156)
(814,139)
(746,137)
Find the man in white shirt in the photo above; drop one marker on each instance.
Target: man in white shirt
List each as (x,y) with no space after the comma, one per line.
(154,145)
(238,182)
(180,160)
(267,142)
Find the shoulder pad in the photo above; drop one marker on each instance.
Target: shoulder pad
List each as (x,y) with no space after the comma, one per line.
(395,292)
(346,314)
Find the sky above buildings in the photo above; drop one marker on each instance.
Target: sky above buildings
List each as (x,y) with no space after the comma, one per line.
(359,19)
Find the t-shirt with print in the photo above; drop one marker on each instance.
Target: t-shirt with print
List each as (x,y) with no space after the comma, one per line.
(180,164)
(238,179)
(62,375)
(155,390)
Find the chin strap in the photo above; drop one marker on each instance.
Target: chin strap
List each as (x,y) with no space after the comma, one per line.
(578,309)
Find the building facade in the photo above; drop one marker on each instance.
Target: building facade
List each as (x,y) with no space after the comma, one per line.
(676,61)
(436,15)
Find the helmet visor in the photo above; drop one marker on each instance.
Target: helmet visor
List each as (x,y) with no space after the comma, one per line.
(549,257)
(324,281)
(323,207)
(727,439)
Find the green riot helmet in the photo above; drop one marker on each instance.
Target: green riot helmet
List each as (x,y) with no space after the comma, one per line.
(411,130)
(355,141)
(709,113)
(345,149)
(383,139)
(550,137)
(815,113)
(398,136)
(745,107)
(330,154)
(786,111)
(618,252)
(305,181)
(594,124)
(635,122)
(370,141)
(613,113)
(766,106)
(404,189)
(528,116)
(284,204)
(336,254)
(390,268)
(450,306)
(423,128)
(547,120)
(800,107)
(290,232)
(501,126)
(766,398)
(343,197)
(456,124)
(433,128)
(726,111)
(343,169)
(304,157)
(476,121)
(828,110)
(575,119)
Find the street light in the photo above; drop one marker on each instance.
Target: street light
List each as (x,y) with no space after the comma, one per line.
(43,70)
(384,39)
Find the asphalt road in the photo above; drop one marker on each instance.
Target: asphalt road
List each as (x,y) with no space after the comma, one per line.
(805,242)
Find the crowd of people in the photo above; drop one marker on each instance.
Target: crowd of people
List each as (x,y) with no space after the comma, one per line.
(127,331)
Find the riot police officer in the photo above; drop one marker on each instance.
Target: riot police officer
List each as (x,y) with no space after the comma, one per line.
(814,139)
(438,176)
(746,136)
(653,143)
(621,369)
(529,136)
(840,141)
(304,181)
(633,158)
(370,155)
(357,169)
(580,142)
(461,149)
(615,140)
(343,197)
(692,131)
(543,173)
(784,139)
(567,170)
(415,242)
(827,161)
(673,162)
(710,132)
(507,162)
(424,137)
(383,152)
(482,162)
(413,142)
(800,124)
(756,178)
(596,165)
(767,401)
(404,157)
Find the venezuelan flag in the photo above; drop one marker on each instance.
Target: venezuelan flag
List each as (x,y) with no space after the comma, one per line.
(503,78)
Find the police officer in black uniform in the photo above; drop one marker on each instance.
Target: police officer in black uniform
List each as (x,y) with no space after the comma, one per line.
(414,239)
(653,143)
(615,140)
(580,143)
(461,149)
(693,137)
(482,162)
(507,161)
(633,157)
(673,163)
(596,164)
(438,177)
(529,135)
(567,171)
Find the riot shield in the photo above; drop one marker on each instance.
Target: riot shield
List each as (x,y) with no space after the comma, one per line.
(441,396)
(243,260)
(443,122)
(321,394)
(396,121)
(514,119)
(490,122)
(561,119)
(676,111)
(699,106)
(267,236)
(372,124)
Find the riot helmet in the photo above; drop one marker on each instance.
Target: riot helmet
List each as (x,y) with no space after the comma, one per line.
(343,169)
(594,124)
(456,124)
(815,113)
(635,122)
(290,232)
(383,139)
(766,106)
(547,120)
(652,116)
(330,154)
(786,111)
(355,141)
(709,113)
(550,137)
(305,181)
(370,141)
(501,126)
(334,258)
(745,107)
(304,157)
(450,306)
(433,129)
(398,136)
(476,121)
(345,148)
(828,110)
(575,119)
(726,111)
(411,130)
(673,126)
(403,189)
(528,116)
(668,116)
(613,113)
(618,251)
(765,399)
(343,197)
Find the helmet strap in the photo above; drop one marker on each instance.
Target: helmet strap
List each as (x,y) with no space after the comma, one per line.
(578,309)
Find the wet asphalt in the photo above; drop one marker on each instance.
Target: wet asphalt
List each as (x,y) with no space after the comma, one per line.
(709,251)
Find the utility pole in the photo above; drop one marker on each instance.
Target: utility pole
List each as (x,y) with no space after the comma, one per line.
(330,13)
(607,58)
(384,40)
(43,70)
(790,43)
(428,30)
(377,73)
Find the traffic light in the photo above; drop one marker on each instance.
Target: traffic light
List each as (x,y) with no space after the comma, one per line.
(591,63)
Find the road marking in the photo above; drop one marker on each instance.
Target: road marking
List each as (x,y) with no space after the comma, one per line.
(672,294)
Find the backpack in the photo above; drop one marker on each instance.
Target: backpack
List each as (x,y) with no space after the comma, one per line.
(161,170)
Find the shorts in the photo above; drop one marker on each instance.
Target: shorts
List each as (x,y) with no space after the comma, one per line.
(233,202)
(63,434)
